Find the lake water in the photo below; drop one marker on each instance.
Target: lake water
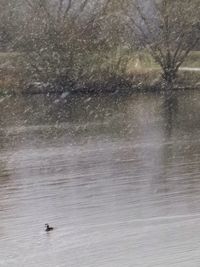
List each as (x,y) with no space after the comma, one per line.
(118,178)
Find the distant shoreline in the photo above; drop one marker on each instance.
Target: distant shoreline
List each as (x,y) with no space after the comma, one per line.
(80,92)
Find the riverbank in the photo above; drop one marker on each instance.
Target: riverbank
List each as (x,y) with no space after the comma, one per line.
(139,81)
(142,75)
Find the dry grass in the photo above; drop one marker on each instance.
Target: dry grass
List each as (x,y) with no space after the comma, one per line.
(189,78)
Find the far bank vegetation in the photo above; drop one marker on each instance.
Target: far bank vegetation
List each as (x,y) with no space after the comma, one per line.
(102,45)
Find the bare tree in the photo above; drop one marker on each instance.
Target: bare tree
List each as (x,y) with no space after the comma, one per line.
(59,37)
(9,24)
(168,29)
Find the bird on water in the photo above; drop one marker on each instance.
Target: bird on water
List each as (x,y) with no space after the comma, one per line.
(48,228)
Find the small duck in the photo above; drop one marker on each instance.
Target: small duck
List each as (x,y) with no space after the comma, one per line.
(48,228)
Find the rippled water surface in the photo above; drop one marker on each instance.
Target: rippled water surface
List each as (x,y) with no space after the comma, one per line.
(118,178)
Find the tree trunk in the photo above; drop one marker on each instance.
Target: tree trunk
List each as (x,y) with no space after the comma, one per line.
(169,76)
